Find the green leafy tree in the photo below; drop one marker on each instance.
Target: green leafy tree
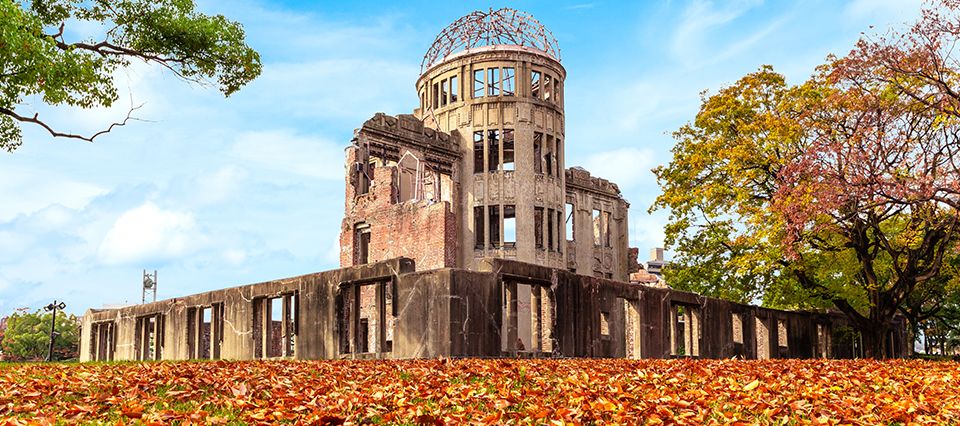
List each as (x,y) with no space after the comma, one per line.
(840,192)
(37,59)
(27,336)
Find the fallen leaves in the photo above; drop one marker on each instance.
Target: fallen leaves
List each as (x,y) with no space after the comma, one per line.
(434,392)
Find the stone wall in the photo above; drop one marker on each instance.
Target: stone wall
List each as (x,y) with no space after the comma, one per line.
(506,308)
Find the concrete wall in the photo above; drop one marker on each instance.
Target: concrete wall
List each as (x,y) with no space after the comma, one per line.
(599,245)
(505,308)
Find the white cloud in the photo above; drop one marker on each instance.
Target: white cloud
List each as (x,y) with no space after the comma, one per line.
(283,150)
(626,167)
(235,256)
(646,230)
(148,233)
(27,190)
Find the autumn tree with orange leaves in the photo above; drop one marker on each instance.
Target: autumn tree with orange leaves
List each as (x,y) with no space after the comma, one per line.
(842,192)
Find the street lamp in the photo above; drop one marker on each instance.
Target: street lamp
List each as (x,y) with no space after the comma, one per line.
(53,323)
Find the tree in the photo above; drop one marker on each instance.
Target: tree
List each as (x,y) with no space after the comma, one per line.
(36,58)
(3,329)
(27,337)
(838,192)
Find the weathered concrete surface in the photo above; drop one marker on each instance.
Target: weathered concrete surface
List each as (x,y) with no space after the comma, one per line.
(505,308)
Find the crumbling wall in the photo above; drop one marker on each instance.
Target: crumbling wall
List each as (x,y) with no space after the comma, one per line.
(599,244)
(401,184)
(506,308)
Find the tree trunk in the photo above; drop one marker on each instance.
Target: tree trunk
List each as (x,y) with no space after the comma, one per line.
(876,341)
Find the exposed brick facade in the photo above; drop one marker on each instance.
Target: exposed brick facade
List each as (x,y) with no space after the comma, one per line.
(407,204)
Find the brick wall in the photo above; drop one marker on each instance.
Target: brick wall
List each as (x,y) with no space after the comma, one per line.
(425,231)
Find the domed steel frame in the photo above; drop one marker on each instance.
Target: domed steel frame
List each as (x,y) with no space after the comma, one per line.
(503,26)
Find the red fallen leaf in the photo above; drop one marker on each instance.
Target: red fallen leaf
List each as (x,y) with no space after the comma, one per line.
(331,421)
(493,418)
(426,419)
(132,411)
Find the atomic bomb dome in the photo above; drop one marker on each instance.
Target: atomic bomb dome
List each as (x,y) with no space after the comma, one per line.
(505,26)
(465,234)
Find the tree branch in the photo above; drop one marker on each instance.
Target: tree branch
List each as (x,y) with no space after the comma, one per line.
(36,120)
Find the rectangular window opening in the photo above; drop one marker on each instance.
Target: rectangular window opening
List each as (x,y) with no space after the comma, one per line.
(278,320)
(605,324)
(366,317)
(762,339)
(547,87)
(557,150)
(509,226)
(478,151)
(606,229)
(548,157)
(737,328)
(102,341)
(535,84)
(685,330)
(454,90)
(508,150)
(559,228)
(538,153)
(361,240)
(550,231)
(275,328)
(569,223)
(206,329)
(478,85)
(369,319)
(494,221)
(436,95)
(493,150)
(527,318)
(509,82)
(782,339)
(444,92)
(538,227)
(632,329)
(149,338)
(478,228)
(493,82)
(597,228)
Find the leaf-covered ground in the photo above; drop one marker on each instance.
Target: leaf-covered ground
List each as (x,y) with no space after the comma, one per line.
(485,391)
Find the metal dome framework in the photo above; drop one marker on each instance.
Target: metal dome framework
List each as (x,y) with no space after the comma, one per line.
(497,27)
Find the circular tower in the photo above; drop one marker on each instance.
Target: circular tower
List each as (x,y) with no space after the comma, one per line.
(493,80)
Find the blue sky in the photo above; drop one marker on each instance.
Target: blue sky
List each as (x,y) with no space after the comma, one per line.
(217,192)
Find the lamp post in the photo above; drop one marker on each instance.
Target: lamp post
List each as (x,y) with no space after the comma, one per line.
(53,324)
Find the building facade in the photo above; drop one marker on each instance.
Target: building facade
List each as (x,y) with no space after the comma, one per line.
(465,235)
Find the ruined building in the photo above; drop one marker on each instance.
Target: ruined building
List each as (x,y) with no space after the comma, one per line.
(464,234)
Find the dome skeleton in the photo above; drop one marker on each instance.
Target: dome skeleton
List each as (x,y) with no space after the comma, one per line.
(497,27)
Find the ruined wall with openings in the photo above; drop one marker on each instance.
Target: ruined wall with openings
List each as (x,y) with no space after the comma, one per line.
(401,194)
(597,216)
(504,308)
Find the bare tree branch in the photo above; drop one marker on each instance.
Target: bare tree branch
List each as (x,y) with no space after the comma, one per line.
(36,120)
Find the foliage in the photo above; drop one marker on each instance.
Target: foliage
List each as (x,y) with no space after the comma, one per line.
(27,336)
(839,192)
(36,59)
(486,392)
(3,329)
